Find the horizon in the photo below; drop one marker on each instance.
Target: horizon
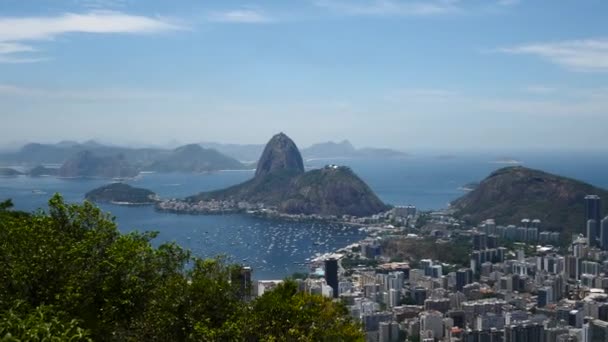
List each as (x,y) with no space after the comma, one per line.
(400,74)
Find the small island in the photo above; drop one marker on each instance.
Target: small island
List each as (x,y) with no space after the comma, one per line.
(122,194)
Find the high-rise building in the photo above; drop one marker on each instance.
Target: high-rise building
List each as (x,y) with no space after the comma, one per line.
(479,241)
(464,276)
(593,206)
(598,331)
(592,233)
(604,233)
(388,332)
(331,275)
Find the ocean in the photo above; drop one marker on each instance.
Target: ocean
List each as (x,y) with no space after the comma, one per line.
(275,249)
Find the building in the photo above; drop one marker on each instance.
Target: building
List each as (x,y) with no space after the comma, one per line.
(388,332)
(432,321)
(592,233)
(604,233)
(598,331)
(331,275)
(593,212)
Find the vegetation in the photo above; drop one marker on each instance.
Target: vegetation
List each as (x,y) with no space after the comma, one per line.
(514,193)
(454,252)
(121,193)
(70,275)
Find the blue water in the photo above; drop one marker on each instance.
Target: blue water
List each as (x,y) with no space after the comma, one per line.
(276,249)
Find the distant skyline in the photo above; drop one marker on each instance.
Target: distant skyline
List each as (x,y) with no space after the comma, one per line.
(404,74)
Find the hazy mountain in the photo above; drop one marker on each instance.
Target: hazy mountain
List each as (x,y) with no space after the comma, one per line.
(280,181)
(514,193)
(40,170)
(9,172)
(244,153)
(194,158)
(345,149)
(88,164)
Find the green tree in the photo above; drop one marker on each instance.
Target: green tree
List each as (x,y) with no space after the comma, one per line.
(70,275)
(285,314)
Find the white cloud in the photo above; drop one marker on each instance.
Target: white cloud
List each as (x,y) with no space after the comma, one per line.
(105,94)
(539,89)
(389,7)
(508,2)
(245,16)
(562,103)
(589,55)
(14,31)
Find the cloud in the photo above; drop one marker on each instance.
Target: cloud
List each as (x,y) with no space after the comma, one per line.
(539,89)
(244,16)
(562,103)
(389,7)
(588,55)
(14,31)
(105,94)
(508,2)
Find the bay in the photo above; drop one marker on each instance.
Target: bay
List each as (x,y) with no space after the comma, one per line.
(276,249)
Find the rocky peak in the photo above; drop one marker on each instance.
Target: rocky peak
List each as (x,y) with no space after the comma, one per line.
(280,154)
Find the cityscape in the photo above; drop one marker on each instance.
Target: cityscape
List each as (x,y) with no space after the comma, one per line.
(304,171)
(523,283)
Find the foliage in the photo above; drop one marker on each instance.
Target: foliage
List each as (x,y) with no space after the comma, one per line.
(70,275)
(453,252)
(303,318)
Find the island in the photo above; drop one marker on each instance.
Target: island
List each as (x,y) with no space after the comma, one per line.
(122,194)
(281,184)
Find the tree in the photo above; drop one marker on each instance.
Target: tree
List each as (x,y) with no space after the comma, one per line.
(285,314)
(69,274)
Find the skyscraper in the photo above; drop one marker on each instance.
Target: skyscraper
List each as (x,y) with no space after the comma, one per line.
(593,206)
(592,233)
(604,233)
(331,275)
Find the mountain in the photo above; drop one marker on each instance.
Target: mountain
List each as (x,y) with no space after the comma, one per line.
(280,155)
(40,170)
(345,149)
(513,193)
(243,153)
(88,164)
(36,153)
(194,158)
(120,193)
(8,172)
(330,149)
(280,181)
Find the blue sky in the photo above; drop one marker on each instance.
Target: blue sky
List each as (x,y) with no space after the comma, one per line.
(407,74)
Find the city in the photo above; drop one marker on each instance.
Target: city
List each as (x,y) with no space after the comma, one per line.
(522,284)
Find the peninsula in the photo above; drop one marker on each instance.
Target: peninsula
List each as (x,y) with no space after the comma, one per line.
(281,184)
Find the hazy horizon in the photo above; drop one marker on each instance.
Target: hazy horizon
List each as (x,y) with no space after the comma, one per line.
(401,74)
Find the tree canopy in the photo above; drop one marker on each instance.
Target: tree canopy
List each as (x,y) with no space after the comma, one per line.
(69,274)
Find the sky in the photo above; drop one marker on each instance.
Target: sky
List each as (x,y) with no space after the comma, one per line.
(405,74)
